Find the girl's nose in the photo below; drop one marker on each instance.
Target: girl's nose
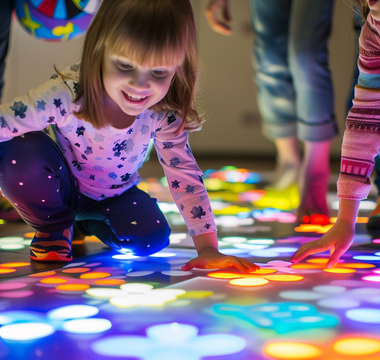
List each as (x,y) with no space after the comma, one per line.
(139,81)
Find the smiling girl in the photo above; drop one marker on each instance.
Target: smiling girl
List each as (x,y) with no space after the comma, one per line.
(136,82)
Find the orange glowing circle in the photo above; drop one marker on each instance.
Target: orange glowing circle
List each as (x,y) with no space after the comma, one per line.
(72,287)
(110,282)
(95,275)
(291,350)
(356,265)
(339,270)
(307,266)
(7,271)
(43,274)
(224,275)
(76,270)
(15,264)
(362,220)
(264,271)
(53,280)
(318,261)
(283,277)
(357,346)
(29,235)
(249,281)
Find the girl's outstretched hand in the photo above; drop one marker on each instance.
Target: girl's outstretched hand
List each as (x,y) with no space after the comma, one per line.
(211,258)
(218,16)
(338,239)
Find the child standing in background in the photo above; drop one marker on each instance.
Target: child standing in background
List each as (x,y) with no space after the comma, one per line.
(135,82)
(361,141)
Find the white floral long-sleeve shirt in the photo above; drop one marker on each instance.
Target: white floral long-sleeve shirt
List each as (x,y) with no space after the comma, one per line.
(105,161)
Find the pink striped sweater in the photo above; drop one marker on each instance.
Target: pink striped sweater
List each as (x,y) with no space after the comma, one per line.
(361,141)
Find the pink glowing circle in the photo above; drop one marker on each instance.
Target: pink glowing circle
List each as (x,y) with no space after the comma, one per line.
(16,294)
(376,241)
(12,285)
(373,278)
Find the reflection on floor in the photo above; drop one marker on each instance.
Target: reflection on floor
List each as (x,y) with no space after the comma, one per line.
(106,305)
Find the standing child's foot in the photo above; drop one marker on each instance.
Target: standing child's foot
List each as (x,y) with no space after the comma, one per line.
(54,246)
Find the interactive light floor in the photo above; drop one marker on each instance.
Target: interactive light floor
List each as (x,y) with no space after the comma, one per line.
(107,305)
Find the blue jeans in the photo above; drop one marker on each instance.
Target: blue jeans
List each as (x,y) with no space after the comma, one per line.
(35,178)
(295,94)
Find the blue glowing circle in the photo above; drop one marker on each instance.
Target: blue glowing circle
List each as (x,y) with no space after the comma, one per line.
(338,303)
(364,315)
(367,258)
(329,289)
(301,295)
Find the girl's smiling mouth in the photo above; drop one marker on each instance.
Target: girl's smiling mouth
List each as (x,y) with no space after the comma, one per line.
(134,99)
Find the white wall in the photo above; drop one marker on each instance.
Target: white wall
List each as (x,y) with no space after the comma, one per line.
(228,93)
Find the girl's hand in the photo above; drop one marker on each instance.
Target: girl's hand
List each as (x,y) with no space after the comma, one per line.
(338,239)
(211,258)
(218,16)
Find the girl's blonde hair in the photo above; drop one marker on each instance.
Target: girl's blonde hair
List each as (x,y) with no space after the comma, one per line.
(158,32)
(360,7)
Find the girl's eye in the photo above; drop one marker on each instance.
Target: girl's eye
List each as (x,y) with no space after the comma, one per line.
(124,66)
(159,73)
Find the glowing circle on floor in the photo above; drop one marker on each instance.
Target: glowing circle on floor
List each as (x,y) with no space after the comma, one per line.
(301,295)
(136,288)
(234,239)
(139,273)
(72,312)
(339,270)
(364,315)
(291,350)
(26,331)
(104,293)
(355,346)
(261,241)
(372,278)
(338,303)
(282,277)
(367,257)
(124,257)
(12,285)
(329,289)
(163,254)
(12,246)
(248,282)
(87,326)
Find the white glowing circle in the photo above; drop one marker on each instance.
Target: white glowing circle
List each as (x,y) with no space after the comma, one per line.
(74,264)
(372,278)
(338,303)
(261,241)
(136,288)
(176,238)
(377,253)
(87,326)
(27,242)
(72,312)
(301,295)
(329,289)
(139,273)
(264,253)
(364,205)
(365,292)
(26,331)
(124,257)
(104,293)
(12,246)
(251,246)
(364,315)
(176,273)
(11,239)
(163,254)
(168,207)
(234,239)
(232,221)
(284,250)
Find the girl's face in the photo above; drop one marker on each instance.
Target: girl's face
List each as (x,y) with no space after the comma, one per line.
(133,87)
(374,6)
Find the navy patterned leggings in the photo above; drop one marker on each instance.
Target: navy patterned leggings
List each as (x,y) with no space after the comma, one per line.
(36,180)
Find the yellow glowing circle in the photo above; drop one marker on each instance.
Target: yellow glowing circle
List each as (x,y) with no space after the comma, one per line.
(357,346)
(284,277)
(224,275)
(43,274)
(72,287)
(339,270)
(291,350)
(264,271)
(7,271)
(307,266)
(249,281)
(76,270)
(29,235)
(53,280)
(15,264)
(95,275)
(356,265)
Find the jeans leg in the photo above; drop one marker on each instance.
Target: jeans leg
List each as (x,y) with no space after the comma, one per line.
(276,98)
(36,180)
(308,60)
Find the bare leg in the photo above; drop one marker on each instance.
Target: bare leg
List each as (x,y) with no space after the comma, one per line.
(288,163)
(314,177)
